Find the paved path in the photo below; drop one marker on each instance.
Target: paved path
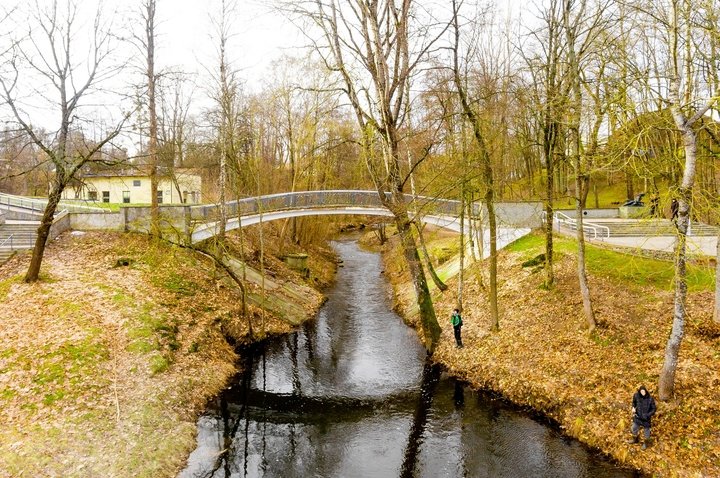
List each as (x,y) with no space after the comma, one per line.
(700,245)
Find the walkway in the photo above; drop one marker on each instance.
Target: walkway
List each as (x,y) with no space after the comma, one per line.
(437,211)
(698,245)
(646,234)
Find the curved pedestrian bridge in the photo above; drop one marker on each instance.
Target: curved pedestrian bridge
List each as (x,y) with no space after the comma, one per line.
(445,213)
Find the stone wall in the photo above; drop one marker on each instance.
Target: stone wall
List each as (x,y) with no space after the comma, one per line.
(174,221)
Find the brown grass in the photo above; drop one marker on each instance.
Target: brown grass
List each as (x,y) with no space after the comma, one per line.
(104,369)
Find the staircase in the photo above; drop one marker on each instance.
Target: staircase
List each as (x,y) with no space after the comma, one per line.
(655,227)
(603,228)
(16,236)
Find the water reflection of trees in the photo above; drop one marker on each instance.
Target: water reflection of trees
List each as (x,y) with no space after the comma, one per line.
(430,378)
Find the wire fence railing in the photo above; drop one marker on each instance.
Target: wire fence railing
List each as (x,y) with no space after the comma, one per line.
(8,243)
(38,205)
(325,199)
(596,231)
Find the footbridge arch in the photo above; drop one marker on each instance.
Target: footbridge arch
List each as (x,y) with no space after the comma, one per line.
(198,223)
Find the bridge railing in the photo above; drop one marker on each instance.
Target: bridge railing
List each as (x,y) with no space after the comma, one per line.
(322,199)
(38,205)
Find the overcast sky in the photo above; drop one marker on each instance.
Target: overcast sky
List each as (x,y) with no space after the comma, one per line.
(185,43)
(185,36)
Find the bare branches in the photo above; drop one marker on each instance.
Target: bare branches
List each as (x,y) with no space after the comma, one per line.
(52,52)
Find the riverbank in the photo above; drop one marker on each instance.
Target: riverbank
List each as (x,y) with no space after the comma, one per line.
(543,359)
(107,361)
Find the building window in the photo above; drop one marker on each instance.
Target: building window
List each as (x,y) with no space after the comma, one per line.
(136,183)
(92,195)
(126,197)
(159,196)
(106,196)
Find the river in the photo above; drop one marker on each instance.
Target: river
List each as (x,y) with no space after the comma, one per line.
(352,395)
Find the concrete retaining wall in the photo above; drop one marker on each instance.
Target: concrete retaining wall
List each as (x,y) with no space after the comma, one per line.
(600,213)
(91,221)
(174,221)
(60,225)
(517,214)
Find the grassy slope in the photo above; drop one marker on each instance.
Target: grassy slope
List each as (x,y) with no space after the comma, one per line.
(542,358)
(103,369)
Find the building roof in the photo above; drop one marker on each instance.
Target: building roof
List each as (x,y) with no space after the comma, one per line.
(139,173)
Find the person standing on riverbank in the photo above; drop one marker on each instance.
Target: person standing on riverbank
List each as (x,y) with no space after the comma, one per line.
(643,408)
(456,321)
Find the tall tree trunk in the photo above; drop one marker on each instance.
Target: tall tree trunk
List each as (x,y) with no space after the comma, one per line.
(462,250)
(580,235)
(472,236)
(428,262)
(43,231)
(716,312)
(581,180)
(485,168)
(492,222)
(549,208)
(226,123)
(666,385)
(152,112)
(430,327)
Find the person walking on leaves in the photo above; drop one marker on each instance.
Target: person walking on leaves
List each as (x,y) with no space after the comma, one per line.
(456,321)
(643,408)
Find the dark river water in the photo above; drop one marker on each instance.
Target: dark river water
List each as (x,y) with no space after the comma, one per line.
(352,395)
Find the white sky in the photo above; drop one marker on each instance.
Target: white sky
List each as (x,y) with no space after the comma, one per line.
(185,36)
(184,43)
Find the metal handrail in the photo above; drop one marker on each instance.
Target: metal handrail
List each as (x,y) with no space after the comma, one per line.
(39,205)
(562,218)
(9,238)
(322,199)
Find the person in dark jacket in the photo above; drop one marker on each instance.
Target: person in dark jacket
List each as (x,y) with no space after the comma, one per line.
(643,408)
(456,321)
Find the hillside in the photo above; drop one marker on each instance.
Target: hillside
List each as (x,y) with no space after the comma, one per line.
(108,360)
(543,359)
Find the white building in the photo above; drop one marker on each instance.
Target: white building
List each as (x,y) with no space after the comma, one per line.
(134,188)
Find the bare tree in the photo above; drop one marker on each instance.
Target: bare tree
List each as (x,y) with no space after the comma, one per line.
(71,74)
(581,30)
(486,169)
(225,95)
(546,72)
(383,41)
(175,125)
(148,43)
(684,97)
(716,309)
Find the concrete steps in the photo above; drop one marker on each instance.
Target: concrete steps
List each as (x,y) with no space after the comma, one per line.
(655,228)
(24,234)
(643,227)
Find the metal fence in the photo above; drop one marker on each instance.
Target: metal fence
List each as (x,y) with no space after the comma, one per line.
(38,205)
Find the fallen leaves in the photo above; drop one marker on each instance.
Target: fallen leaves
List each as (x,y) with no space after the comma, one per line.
(542,358)
(77,398)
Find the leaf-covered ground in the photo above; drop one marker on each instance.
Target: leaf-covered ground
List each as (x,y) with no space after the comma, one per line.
(542,357)
(105,363)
